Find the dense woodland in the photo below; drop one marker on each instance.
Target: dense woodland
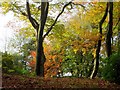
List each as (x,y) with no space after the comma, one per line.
(63,40)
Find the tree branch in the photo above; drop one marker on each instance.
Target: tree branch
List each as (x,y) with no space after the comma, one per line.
(56,19)
(79,4)
(116,24)
(19,11)
(31,19)
(104,17)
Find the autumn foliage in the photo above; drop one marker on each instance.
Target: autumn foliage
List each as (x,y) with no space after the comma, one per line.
(52,64)
(53,61)
(33,61)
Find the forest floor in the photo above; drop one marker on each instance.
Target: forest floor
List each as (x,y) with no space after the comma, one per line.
(21,81)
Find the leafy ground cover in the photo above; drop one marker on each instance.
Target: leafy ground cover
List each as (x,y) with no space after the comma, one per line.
(21,81)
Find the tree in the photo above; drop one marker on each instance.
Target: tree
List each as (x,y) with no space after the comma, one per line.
(119,30)
(109,30)
(109,7)
(40,53)
(96,60)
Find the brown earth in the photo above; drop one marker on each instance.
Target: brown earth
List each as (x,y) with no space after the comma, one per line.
(20,81)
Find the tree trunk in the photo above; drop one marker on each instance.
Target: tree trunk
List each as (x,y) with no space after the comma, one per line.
(119,28)
(91,68)
(96,61)
(109,32)
(40,59)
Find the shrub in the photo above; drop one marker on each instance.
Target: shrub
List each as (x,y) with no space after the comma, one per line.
(10,66)
(111,70)
(7,63)
(21,71)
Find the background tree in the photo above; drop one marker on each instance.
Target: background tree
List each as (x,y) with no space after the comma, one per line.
(109,31)
(96,61)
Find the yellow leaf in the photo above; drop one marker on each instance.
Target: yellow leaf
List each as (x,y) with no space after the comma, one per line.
(75,50)
(84,51)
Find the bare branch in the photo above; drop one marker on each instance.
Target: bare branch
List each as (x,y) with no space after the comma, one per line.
(56,19)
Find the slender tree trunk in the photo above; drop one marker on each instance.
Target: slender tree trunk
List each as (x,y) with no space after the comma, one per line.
(119,38)
(119,28)
(109,32)
(40,59)
(96,61)
(91,68)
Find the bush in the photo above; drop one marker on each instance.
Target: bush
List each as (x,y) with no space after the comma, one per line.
(111,70)
(21,71)
(10,66)
(7,63)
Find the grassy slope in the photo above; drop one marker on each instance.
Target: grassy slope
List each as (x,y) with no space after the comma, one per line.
(18,81)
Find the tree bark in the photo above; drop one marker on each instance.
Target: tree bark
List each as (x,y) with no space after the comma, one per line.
(109,32)
(40,59)
(96,61)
